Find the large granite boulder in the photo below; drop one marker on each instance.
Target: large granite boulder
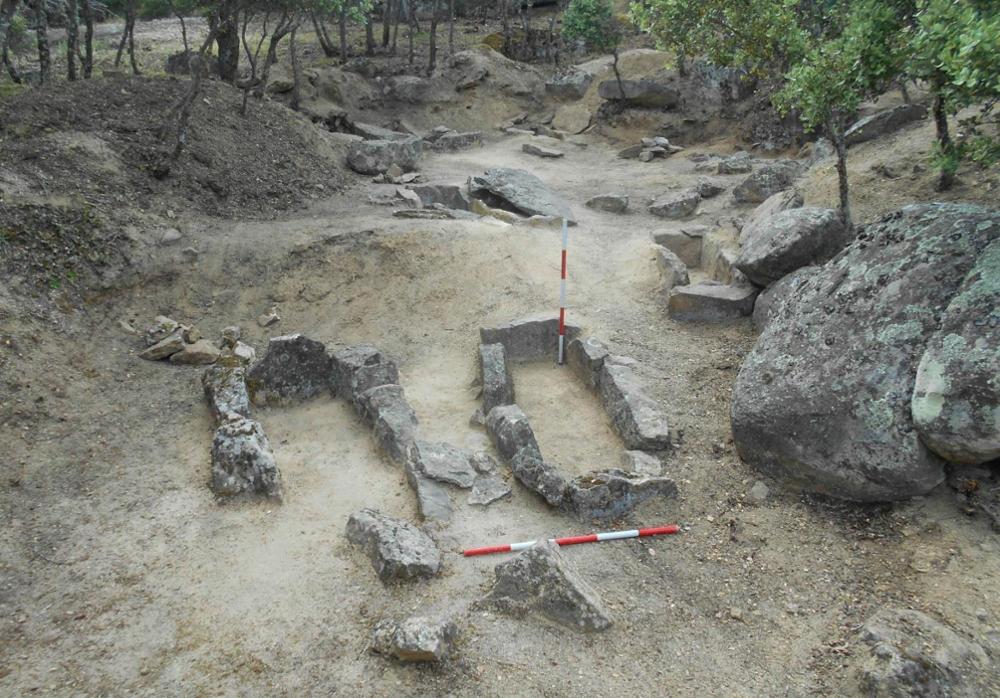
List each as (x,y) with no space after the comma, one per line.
(294,368)
(824,398)
(956,396)
(375,157)
(767,181)
(640,93)
(520,191)
(883,122)
(789,240)
(772,205)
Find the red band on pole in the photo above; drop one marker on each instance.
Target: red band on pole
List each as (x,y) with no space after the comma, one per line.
(659,530)
(489,550)
(577,540)
(562,321)
(564,264)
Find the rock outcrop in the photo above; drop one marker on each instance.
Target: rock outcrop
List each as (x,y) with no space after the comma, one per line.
(825,399)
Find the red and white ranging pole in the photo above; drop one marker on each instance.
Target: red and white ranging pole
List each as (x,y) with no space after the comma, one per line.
(576,540)
(562,293)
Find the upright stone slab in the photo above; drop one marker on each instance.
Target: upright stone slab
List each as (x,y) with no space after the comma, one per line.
(611,494)
(226,391)
(498,384)
(510,431)
(586,356)
(398,550)
(540,581)
(360,368)
(531,338)
(393,421)
(686,243)
(242,460)
(634,415)
(294,368)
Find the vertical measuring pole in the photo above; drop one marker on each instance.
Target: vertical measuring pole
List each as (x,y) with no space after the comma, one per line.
(562,294)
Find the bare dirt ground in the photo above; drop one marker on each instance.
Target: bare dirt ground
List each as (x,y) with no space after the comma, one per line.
(121,575)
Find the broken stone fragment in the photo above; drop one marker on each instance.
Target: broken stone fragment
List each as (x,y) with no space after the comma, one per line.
(226,391)
(199,353)
(360,368)
(244,353)
(530,338)
(393,420)
(242,460)
(269,318)
(708,189)
(443,462)
(539,581)
(488,489)
(414,639)
(673,271)
(457,141)
(541,151)
(397,549)
(767,181)
(161,328)
(231,335)
(610,203)
(191,334)
(519,191)
(642,463)
(738,163)
(433,500)
(294,368)
(498,385)
(534,473)
(681,205)
(634,415)
(165,348)
(611,494)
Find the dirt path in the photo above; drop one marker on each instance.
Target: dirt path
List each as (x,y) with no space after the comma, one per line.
(121,575)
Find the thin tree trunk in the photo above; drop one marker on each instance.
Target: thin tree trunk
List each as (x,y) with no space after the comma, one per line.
(296,72)
(124,40)
(507,33)
(904,91)
(131,46)
(72,38)
(252,56)
(451,27)
(410,6)
(7,10)
(432,63)
(323,35)
(369,34)
(836,128)
(87,10)
(946,178)
(386,23)
(281,29)
(227,39)
(42,40)
(342,26)
(618,75)
(395,26)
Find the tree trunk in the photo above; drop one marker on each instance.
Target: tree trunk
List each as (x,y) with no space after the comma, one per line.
(395,26)
(296,72)
(432,63)
(508,37)
(7,10)
(124,40)
(323,35)
(369,34)
(227,39)
(87,10)
(682,70)
(386,23)
(342,26)
(451,27)
(836,128)
(946,178)
(411,8)
(904,91)
(618,75)
(131,45)
(42,40)
(72,38)
(281,29)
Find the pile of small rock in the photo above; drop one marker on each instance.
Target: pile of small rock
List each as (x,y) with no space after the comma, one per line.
(648,149)
(168,340)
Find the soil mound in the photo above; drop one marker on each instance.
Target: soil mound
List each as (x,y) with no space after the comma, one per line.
(98,140)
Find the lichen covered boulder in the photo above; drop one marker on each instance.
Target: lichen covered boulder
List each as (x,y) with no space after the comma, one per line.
(789,240)
(823,400)
(295,368)
(242,461)
(956,399)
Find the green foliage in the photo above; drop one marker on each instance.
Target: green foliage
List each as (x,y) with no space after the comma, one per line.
(594,22)
(759,35)
(834,77)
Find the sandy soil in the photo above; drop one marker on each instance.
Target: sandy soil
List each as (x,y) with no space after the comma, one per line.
(120,574)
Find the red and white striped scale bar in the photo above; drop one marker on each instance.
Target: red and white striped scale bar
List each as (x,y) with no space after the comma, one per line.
(576,540)
(562,292)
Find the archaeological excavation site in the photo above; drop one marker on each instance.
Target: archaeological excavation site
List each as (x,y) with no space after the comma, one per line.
(551,348)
